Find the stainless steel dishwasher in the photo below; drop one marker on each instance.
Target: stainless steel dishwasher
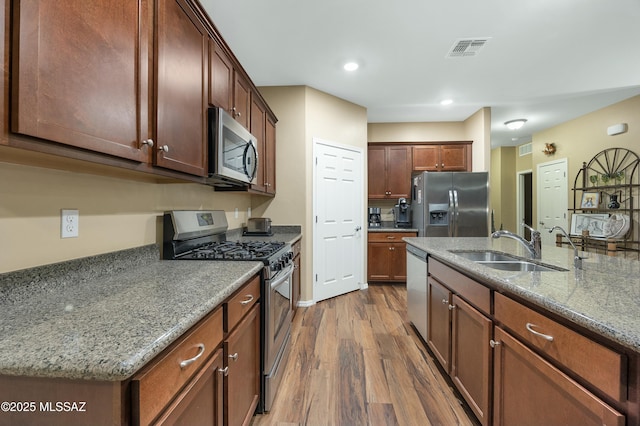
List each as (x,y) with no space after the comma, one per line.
(417,289)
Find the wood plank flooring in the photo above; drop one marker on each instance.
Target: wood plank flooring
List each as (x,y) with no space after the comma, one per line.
(356,360)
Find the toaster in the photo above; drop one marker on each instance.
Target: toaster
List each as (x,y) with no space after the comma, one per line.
(259,226)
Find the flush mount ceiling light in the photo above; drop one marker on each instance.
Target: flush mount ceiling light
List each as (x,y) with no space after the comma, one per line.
(515,124)
(351,66)
(446,102)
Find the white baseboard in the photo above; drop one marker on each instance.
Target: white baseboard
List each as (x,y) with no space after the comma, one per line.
(364,286)
(305,303)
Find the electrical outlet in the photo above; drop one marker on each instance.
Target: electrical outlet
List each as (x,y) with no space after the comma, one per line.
(236,213)
(249,212)
(69,223)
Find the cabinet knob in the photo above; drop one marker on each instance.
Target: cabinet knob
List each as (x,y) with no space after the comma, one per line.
(163,148)
(493,343)
(452,307)
(442,165)
(224,371)
(148,142)
(445,302)
(234,356)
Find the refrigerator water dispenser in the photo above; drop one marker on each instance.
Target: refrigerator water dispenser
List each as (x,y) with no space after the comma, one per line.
(438,214)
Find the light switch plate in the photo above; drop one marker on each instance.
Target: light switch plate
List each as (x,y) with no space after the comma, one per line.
(69,223)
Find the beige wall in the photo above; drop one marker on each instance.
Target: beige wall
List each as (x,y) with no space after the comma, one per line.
(115,213)
(303,114)
(502,186)
(578,141)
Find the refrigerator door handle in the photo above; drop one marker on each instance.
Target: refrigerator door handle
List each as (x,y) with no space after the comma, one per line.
(450,214)
(456,212)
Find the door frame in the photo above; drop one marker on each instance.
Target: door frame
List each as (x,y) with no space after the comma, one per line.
(316,241)
(520,194)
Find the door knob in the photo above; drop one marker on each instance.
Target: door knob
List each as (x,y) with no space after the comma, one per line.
(358,228)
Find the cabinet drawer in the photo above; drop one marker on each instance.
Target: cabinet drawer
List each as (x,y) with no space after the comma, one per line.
(384,237)
(156,385)
(242,302)
(595,363)
(474,292)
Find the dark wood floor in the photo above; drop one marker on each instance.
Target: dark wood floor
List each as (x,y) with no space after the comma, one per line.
(356,360)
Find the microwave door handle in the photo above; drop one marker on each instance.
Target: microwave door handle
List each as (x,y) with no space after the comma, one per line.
(250,169)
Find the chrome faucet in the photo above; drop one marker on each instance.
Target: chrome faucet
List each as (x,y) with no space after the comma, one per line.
(534,247)
(577,260)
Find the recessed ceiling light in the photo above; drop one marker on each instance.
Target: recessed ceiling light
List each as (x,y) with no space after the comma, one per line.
(515,124)
(446,102)
(351,66)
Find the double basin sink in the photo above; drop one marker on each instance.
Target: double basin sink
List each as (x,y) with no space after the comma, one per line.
(505,262)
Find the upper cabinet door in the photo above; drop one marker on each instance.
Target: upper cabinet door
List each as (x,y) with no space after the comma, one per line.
(241,100)
(220,77)
(80,74)
(182,92)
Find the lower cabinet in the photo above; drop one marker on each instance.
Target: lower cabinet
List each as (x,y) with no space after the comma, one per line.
(243,373)
(387,256)
(458,335)
(211,375)
(514,365)
(201,402)
(531,391)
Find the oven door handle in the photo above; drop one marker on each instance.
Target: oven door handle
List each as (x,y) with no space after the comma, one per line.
(282,276)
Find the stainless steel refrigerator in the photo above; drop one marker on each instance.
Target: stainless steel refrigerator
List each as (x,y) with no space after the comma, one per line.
(450,204)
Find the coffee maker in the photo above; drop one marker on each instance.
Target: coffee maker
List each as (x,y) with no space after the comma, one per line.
(374,217)
(402,214)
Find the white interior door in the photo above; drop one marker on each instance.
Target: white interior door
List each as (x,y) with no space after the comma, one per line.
(338,251)
(553,198)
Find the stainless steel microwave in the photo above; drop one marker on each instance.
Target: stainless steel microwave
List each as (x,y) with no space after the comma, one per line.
(233,157)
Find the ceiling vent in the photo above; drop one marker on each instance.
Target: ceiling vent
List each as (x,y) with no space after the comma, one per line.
(467,47)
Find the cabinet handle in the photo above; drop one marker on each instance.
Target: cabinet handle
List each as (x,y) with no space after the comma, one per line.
(234,356)
(189,361)
(224,371)
(442,165)
(249,299)
(148,142)
(537,333)
(163,148)
(452,307)
(390,237)
(493,343)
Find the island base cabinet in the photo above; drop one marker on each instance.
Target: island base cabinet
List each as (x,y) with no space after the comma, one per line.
(530,391)
(471,357)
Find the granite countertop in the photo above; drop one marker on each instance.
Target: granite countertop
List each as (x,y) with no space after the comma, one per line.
(603,297)
(389,227)
(104,317)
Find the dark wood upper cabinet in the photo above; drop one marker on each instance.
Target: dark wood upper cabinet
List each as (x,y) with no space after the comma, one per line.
(80,74)
(389,171)
(454,157)
(220,77)
(182,71)
(241,100)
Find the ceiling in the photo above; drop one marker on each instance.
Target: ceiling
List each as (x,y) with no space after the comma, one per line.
(547,61)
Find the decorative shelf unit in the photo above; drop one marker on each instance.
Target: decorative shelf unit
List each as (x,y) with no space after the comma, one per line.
(605,186)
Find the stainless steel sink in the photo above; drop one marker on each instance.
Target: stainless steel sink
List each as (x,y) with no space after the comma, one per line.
(505,262)
(521,266)
(484,255)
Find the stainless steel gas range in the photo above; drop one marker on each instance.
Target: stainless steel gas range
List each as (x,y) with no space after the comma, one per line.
(202,235)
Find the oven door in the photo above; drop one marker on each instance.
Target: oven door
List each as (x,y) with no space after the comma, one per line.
(278,315)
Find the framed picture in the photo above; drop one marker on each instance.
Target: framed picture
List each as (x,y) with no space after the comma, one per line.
(590,200)
(594,223)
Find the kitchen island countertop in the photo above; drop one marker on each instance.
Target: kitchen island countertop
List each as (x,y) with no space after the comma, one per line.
(603,297)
